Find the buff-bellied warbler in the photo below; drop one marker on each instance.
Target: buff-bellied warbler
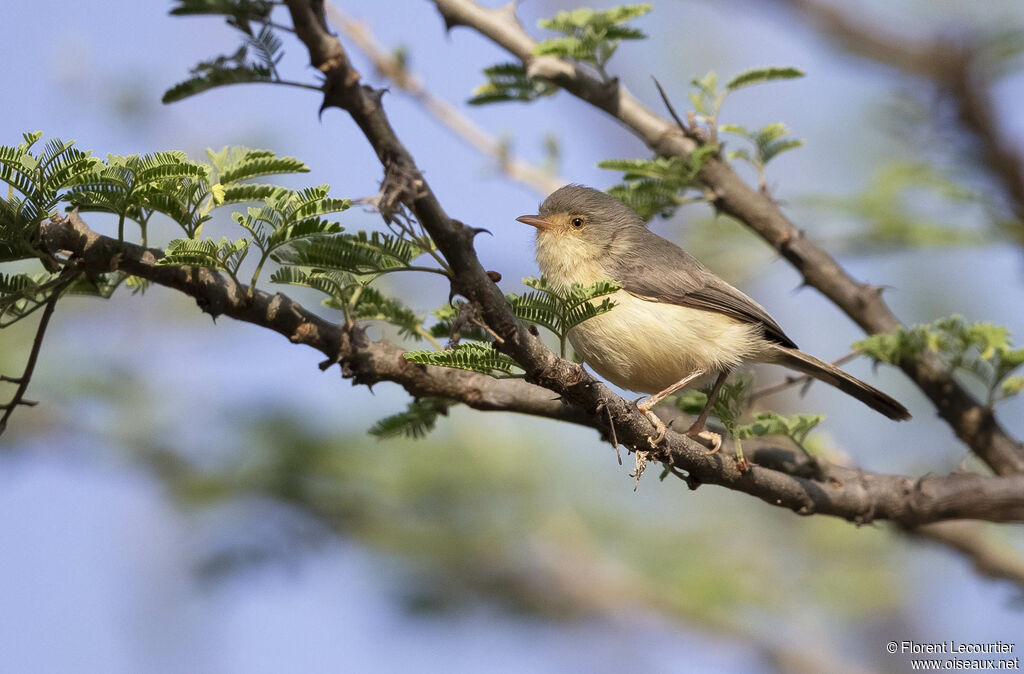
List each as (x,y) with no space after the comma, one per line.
(674,323)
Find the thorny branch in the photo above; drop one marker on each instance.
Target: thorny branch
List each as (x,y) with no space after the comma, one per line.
(845,492)
(975,424)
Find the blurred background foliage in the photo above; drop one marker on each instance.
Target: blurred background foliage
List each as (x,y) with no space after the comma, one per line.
(197,497)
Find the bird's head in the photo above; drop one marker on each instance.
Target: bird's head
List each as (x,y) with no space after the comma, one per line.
(581,224)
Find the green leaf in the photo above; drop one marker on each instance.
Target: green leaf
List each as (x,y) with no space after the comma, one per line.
(648,198)
(268,46)
(509,82)
(982,349)
(303,229)
(100,285)
(795,427)
(253,164)
(211,78)
(251,10)
(760,75)
(591,35)
(223,255)
(359,301)
(1011,386)
(357,253)
(774,149)
(474,356)
(656,186)
(236,194)
(373,305)
(560,309)
(418,420)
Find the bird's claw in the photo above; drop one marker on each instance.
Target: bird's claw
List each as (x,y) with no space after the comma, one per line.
(659,426)
(713,440)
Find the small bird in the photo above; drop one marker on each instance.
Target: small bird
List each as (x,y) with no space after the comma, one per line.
(674,323)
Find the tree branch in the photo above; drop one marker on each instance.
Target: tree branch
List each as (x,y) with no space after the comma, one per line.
(844,492)
(364,361)
(973,423)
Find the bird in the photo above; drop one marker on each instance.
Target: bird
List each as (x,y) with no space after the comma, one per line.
(674,322)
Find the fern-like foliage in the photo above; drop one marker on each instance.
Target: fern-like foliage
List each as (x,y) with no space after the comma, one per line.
(475,356)
(795,427)
(35,182)
(224,255)
(509,82)
(219,72)
(289,217)
(767,143)
(361,253)
(234,165)
(415,422)
(357,300)
(256,60)
(561,309)
(658,186)
(591,36)
(135,186)
(239,12)
(20,293)
(982,350)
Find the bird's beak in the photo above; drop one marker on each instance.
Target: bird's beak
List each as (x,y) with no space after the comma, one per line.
(536,221)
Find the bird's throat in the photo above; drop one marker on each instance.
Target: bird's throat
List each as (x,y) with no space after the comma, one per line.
(565,259)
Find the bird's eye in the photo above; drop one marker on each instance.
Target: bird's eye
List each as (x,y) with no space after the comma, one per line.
(577,222)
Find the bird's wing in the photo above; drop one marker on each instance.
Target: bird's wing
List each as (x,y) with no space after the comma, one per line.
(657,270)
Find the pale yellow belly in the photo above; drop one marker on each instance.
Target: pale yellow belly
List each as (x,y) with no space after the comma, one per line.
(648,346)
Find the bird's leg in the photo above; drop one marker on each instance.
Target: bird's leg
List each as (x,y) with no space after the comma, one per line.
(646,405)
(697,430)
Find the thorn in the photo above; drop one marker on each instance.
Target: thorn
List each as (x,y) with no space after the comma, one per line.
(481,230)
(450,23)
(668,104)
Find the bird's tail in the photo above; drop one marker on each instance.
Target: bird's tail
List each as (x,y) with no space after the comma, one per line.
(832,375)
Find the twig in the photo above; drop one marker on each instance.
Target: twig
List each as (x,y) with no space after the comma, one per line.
(668,104)
(18,399)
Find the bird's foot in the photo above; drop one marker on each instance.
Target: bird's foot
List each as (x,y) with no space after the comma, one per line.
(659,425)
(713,441)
